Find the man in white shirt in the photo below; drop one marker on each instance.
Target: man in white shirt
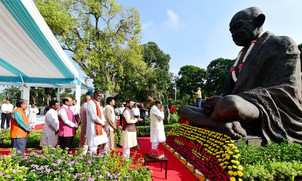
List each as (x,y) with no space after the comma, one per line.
(68,124)
(51,126)
(121,110)
(157,132)
(135,110)
(96,131)
(33,111)
(128,138)
(6,109)
(76,110)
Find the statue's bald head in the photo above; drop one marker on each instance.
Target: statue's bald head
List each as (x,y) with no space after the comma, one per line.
(246,25)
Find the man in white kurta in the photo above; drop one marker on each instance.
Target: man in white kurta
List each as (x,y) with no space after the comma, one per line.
(111,125)
(83,118)
(135,110)
(128,138)
(157,132)
(94,140)
(33,111)
(51,126)
(76,110)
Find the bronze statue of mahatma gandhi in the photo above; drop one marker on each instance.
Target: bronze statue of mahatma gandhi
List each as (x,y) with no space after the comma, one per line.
(262,92)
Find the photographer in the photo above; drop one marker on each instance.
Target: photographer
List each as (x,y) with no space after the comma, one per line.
(197,95)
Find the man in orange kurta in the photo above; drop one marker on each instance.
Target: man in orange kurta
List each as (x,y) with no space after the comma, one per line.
(19,126)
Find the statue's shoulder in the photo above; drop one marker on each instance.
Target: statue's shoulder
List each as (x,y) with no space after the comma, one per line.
(280,43)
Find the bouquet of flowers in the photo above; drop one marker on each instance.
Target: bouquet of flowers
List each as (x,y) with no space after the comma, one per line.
(173,109)
(156,153)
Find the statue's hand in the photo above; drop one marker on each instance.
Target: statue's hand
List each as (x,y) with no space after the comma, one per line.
(210,104)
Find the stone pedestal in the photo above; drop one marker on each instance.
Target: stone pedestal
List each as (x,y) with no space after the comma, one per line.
(250,140)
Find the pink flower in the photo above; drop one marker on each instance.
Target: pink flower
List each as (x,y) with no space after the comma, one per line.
(232,69)
(59,161)
(47,170)
(55,172)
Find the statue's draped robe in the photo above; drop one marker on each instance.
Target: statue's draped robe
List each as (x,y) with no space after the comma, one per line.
(271,79)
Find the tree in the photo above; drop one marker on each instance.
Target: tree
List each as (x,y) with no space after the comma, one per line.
(191,77)
(102,36)
(39,95)
(158,77)
(13,93)
(154,80)
(217,72)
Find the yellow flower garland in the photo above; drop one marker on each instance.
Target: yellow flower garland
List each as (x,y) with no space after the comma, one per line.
(213,143)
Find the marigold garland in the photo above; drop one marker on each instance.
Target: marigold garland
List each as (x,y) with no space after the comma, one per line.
(212,153)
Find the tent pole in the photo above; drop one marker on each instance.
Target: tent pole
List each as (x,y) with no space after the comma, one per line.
(78,95)
(25,92)
(58,95)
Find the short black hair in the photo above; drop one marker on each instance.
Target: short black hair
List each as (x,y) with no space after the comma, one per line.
(20,102)
(157,102)
(8,99)
(98,91)
(65,99)
(109,99)
(52,103)
(128,101)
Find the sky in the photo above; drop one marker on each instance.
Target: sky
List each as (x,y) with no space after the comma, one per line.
(195,32)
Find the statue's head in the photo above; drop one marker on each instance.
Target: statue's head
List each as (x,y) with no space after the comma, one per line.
(246,25)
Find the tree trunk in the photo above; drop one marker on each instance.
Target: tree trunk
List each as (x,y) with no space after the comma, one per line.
(107,94)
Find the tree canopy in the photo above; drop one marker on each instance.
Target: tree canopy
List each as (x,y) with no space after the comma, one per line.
(156,79)
(217,72)
(102,36)
(190,78)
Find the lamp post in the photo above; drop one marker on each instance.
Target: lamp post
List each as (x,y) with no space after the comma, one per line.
(175,92)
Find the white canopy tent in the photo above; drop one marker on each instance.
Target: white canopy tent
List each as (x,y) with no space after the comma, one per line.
(30,55)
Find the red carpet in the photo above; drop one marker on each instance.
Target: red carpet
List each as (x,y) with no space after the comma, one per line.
(38,127)
(176,171)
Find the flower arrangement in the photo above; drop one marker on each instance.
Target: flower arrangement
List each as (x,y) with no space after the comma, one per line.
(156,153)
(57,164)
(173,109)
(5,137)
(211,153)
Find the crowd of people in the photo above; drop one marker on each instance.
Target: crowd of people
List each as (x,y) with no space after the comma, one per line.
(98,123)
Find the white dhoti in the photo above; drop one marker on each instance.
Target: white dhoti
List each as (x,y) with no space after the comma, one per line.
(156,137)
(128,140)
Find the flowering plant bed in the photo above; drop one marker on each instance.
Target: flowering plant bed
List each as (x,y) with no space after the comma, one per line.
(156,153)
(211,153)
(57,164)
